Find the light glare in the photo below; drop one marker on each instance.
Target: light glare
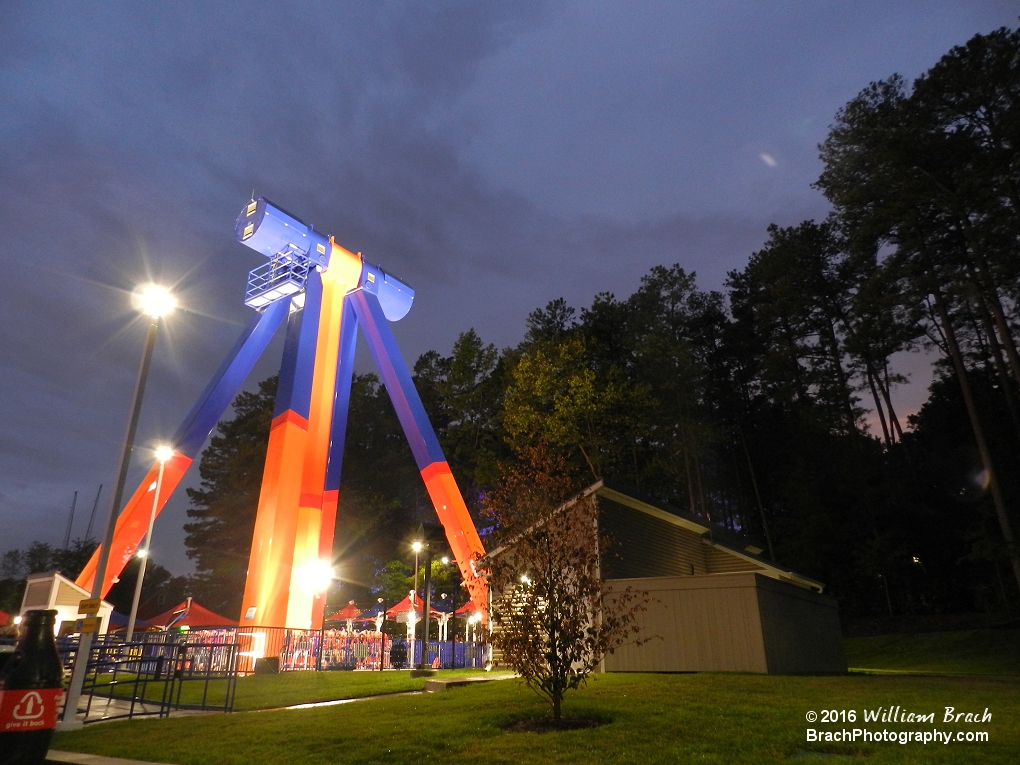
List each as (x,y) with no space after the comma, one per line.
(318,574)
(163,453)
(155,300)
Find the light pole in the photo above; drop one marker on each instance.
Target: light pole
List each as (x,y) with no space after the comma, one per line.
(153,301)
(163,453)
(423,663)
(382,635)
(416,546)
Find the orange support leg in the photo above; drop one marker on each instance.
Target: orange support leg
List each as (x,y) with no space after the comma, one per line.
(133,522)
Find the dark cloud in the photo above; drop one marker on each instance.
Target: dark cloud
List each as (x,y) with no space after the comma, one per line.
(493,155)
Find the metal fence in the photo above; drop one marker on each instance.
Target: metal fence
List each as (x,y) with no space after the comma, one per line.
(287,650)
(154,676)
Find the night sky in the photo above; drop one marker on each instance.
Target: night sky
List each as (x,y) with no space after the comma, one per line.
(493,155)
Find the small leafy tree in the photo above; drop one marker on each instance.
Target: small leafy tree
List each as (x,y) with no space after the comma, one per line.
(551,616)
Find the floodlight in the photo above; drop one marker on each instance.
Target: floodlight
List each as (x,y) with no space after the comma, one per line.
(416,546)
(155,300)
(318,574)
(163,453)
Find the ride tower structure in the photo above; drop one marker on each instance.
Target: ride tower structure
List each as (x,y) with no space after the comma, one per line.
(325,294)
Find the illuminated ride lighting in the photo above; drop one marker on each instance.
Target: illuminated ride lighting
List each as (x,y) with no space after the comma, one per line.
(326,296)
(318,574)
(258,644)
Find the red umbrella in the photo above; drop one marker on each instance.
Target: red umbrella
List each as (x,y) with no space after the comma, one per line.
(402,608)
(191,614)
(350,611)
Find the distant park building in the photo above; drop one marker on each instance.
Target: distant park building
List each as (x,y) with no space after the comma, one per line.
(53,590)
(717,606)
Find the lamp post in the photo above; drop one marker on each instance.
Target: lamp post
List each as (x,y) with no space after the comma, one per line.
(382,635)
(163,453)
(416,546)
(423,663)
(153,301)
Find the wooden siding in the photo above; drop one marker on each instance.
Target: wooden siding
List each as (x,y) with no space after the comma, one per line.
(720,561)
(717,623)
(68,594)
(644,546)
(37,594)
(800,628)
(696,624)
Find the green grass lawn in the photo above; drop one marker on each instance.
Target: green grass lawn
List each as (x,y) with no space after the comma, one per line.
(710,718)
(970,652)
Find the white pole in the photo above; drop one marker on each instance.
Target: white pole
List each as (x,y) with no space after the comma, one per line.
(147,549)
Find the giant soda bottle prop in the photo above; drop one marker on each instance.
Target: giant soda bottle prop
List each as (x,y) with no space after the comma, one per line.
(31,690)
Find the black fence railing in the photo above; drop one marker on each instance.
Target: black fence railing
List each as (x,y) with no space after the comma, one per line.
(286,650)
(279,649)
(154,676)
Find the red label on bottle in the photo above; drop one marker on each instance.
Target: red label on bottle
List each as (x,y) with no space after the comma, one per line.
(29,709)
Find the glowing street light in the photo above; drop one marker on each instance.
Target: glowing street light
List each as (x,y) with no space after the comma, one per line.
(155,302)
(163,453)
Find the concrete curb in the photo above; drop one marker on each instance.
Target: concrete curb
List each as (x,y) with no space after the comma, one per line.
(79,758)
(444,684)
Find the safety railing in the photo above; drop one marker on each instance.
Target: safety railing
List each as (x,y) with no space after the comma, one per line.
(155,676)
(287,650)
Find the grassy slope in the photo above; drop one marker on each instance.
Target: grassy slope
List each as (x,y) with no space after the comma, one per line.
(975,652)
(655,718)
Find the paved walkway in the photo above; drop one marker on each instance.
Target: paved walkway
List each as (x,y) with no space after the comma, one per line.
(78,758)
(104,708)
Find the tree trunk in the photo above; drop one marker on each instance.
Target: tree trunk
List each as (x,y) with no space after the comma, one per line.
(995,350)
(979,434)
(893,419)
(878,403)
(757,494)
(985,282)
(837,360)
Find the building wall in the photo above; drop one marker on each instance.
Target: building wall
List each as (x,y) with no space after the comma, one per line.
(646,546)
(737,622)
(800,628)
(719,561)
(695,624)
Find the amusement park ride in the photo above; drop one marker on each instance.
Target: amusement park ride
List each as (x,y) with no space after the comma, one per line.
(324,293)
